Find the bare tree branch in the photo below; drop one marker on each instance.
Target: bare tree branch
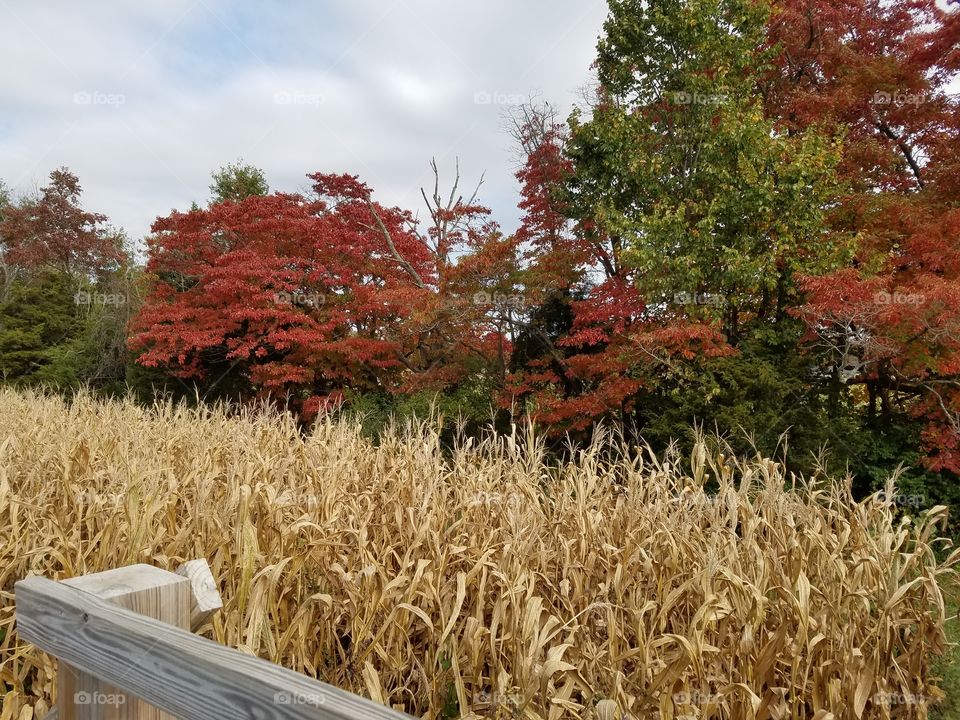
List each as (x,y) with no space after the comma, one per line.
(393,248)
(905,148)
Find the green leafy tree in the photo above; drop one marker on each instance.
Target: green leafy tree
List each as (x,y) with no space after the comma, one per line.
(679,165)
(59,298)
(237,181)
(96,354)
(713,209)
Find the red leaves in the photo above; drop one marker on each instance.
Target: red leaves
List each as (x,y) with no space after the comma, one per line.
(340,187)
(613,351)
(312,295)
(320,404)
(293,293)
(616,345)
(879,73)
(545,170)
(54,231)
(899,329)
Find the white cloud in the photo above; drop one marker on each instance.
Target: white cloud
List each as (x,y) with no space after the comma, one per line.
(142,101)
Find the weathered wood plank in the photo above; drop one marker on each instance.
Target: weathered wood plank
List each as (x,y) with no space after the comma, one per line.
(172,669)
(145,590)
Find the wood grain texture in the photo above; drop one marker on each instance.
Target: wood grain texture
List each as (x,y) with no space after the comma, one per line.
(143,589)
(203,588)
(174,670)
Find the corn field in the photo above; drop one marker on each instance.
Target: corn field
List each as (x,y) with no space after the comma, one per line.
(483,580)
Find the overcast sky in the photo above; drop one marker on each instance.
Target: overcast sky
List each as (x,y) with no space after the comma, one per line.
(142,100)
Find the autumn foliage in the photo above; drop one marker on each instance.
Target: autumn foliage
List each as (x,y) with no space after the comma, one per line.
(876,75)
(306,296)
(751,224)
(52,231)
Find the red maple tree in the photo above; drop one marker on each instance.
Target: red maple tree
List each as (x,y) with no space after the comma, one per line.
(303,297)
(876,74)
(53,231)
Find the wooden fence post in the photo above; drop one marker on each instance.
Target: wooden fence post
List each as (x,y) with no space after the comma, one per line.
(186,675)
(144,589)
(203,587)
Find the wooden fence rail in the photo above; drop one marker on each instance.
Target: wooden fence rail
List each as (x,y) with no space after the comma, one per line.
(97,629)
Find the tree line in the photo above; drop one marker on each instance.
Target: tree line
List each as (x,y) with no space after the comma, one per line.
(751,224)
